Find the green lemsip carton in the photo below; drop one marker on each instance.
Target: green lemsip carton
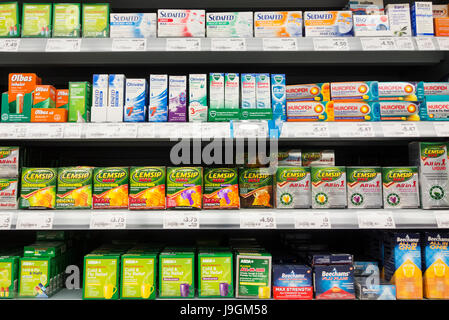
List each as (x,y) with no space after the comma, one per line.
(147,188)
(9,272)
(184,187)
(400,187)
(328,187)
(110,188)
(253,274)
(74,188)
(101,276)
(138,276)
(38,188)
(80,101)
(9,23)
(35,274)
(256,188)
(221,188)
(177,273)
(36,20)
(215,278)
(66,20)
(96,20)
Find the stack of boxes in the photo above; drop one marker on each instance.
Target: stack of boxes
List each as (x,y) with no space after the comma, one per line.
(9,172)
(435,106)
(369,18)
(400,101)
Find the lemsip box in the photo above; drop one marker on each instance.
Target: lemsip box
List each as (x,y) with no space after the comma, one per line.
(135,100)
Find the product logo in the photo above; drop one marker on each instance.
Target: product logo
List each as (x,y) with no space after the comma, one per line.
(183,175)
(126,18)
(220,176)
(262,16)
(329,174)
(393,199)
(357,199)
(4,153)
(434,152)
(399,175)
(410,108)
(321,198)
(255,176)
(319,16)
(111,175)
(335,273)
(147,174)
(178,15)
(74,175)
(365,174)
(436,193)
(38,176)
(219,17)
(292,175)
(21,77)
(4,185)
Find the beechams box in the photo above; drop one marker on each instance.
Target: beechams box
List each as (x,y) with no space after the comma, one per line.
(229,24)
(292,282)
(334,282)
(400,187)
(9,25)
(181,23)
(275,24)
(221,188)
(133,25)
(354,91)
(184,187)
(436,265)
(177,273)
(158,101)
(147,188)
(215,274)
(328,23)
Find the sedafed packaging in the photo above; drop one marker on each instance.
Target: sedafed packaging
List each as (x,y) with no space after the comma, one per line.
(133,25)
(181,23)
(158,105)
(229,24)
(275,24)
(177,102)
(328,23)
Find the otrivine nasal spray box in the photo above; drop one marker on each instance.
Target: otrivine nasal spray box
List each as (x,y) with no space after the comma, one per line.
(309,92)
(181,23)
(135,100)
(275,24)
(36,20)
(279,95)
(436,265)
(232,90)
(263,92)
(100,83)
(177,102)
(133,25)
(328,23)
(229,24)
(9,25)
(116,90)
(197,97)
(422,18)
(399,18)
(248,90)
(355,91)
(158,105)
(216,90)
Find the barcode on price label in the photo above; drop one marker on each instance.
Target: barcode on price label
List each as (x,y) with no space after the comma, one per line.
(375,220)
(129,44)
(32,220)
(280,44)
(63,45)
(187,220)
(312,221)
(101,220)
(425,43)
(257,221)
(5,220)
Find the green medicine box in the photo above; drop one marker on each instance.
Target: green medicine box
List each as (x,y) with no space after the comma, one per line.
(9,24)
(138,276)
(36,20)
(9,272)
(35,275)
(215,274)
(253,274)
(80,101)
(66,20)
(96,20)
(177,273)
(101,277)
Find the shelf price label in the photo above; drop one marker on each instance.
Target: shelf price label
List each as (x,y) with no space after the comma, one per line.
(443,43)
(441,129)
(5,220)
(183,44)
(305,220)
(280,44)
(228,44)
(306,130)
(145,130)
(63,45)
(34,220)
(215,130)
(8,131)
(378,44)
(181,220)
(257,221)
(73,130)
(404,43)
(356,129)
(113,220)
(45,131)
(442,220)
(375,219)
(250,129)
(400,129)
(425,43)
(9,45)
(330,44)
(129,44)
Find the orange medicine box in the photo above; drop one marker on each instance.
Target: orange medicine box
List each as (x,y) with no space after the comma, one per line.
(441,27)
(49,115)
(44,96)
(62,98)
(21,83)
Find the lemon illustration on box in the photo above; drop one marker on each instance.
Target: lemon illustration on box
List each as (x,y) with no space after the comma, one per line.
(9,25)
(95,20)
(138,276)
(110,188)
(147,188)
(400,187)
(101,274)
(38,188)
(256,188)
(74,189)
(66,20)
(436,265)
(36,20)
(328,187)
(184,187)
(293,187)
(176,273)
(221,188)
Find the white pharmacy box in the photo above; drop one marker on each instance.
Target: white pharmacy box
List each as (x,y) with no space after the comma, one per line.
(229,24)
(181,23)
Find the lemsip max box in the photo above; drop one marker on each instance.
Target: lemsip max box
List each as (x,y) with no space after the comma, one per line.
(133,25)
(356,111)
(292,282)
(275,24)
(9,25)
(9,162)
(147,188)
(232,91)
(229,24)
(116,91)
(322,158)
(184,187)
(422,18)
(407,91)
(80,99)
(263,92)
(8,193)
(399,110)
(328,187)
(399,18)
(181,23)
(221,188)
(66,20)
(110,188)
(328,23)
(310,111)
(400,187)
(36,20)
(364,187)
(355,91)
(309,92)
(293,187)
(158,105)
(177,102)
(217,90)
(96,20)
(278,95)
(436,265)
(100,90)
(135,100)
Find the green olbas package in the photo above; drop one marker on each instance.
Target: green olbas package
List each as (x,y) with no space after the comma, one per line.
(74,188)
(96,20)
(101,276)
(138,276)
(66,20)
(184,187)
(256,188)
(9,20)
(253,274)
(38,188)
(36,20)
(147,188)
(215,276)
(176,274)
(9,272)
(221,188)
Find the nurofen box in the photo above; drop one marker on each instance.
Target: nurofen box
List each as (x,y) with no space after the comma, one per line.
(176,274)
(334,282)
(275,24)
(371,25)
(310,110)
(101,276)
(229,24)
(440,10)
(177,98)
(399,18)
(364,187)
(80,99)
(292,282)
(293,187)
(100,88)
(181,23)
(309,92)
(9,269)
(328,187)
(147,188)
(322,158)
(35,274)
(263,92)
(399,110)
(400,187)
(138,275)
(436,265)
(184,187)
(232,91)
(133,25)
(38,188)
(217,90)
(116,91)
(248,90)
(407,91)
(221,188)
(62,98)
(95,20)
(9,162)
(136,98)
(422,18)
(8,193)
(74,190)
(158,103)
(278,95)
(66,20)
(110,189)
(256,188)
(44,96)
(215,274)
(354,91)
(435,108)
(356,111)
(253,274)
(9,25)
(328,23)
(36,20)
(435,88)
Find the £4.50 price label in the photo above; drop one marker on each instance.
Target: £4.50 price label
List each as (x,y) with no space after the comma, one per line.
(29,220)
(257,221)
(330,44)
(174,220)
(101,220)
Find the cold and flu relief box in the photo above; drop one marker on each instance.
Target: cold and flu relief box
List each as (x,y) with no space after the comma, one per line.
(221,188)
(292,282)
(248,90)
(198,97)
(101,276)
(62,98)
(355,111)
(66,20)
(177,273)
(279,95)
(36,20)
(35,274)
(9,162)
(422,18)
(309,92)
(8,193)
(399,110)
(44,96)
(9,25)
(263,91)
(133,25)
(440,10)
(334,282)
(80,99)
(364,187)
(436,265)
(138,275)
(441,27)
(215,274)
(38,188)
(217,90)
(116,91)
(184,187)
(110,188)
(310,110)
(95,20)
(400,187)
(435,108)
(158,98)
(354,91)
(405,91)
(253,274)
(136,98)
(275,24)
(328,23)
(399,19)
(100,84)
(147,188)
(371,25)
(74,188)
(9,269)
(177,102)
(293,186)
(328,187)
(232,91)
(229,24)
(181,23)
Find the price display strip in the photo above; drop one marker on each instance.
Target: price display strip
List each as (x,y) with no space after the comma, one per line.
(442,220)
(129,44)
(356,130)
(181,220)
(306,130)
(378,219)
(228,44)
(330,44)
(5,220)
(304,220)
(250,129)
(9,45)
(425,43)
(215,130)
(63,45)
(378,44)
(35,220)
(257,220)
(400,129)
(441,129)
(280,44)
(106,220)
(183,44)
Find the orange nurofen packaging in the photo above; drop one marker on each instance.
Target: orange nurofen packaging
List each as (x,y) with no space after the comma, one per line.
(44,96)
(441,26)
(21,83)
(62,98)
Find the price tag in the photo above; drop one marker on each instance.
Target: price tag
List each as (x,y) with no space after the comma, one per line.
(441,129)
(63,45)
(8,131)
(9,45)
(313,221)
(183,44)
(228,44)
(145,130)
(97,131)
(442,220)
(257,221)
(45,131)
(306,130)
(375,220)
(280,44)
(330,44)
(215,130)
(73,130)
(35,220)
(404,43)
(443,43)
(378,44)
(101,220)
(5,220)
(425,43)
(400,129)
(181,220)
(250,129)
(356,129)
(123,130)
(129,44)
